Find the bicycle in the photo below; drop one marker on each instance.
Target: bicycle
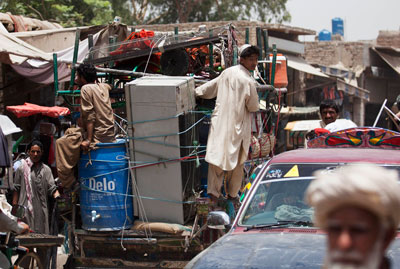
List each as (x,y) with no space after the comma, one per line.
(9,246)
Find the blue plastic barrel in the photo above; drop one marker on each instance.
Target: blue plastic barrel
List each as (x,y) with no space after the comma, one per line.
(105,198)
(324,35)
(337,26)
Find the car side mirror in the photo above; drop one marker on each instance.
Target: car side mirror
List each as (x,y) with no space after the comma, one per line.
(218,220)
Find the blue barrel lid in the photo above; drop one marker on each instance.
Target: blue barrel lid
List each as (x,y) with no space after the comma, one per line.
(119,142)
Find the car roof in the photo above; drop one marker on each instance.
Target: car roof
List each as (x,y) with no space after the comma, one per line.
(335,155)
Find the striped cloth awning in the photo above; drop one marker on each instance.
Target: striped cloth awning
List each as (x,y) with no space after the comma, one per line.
(352,90)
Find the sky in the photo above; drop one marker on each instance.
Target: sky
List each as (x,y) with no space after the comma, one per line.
(362,18)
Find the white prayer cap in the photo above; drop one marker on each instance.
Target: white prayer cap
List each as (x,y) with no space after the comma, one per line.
(243,48)
(366,186)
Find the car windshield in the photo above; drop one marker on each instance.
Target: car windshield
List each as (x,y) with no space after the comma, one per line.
(279,196)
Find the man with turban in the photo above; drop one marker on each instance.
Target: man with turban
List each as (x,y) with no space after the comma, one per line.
(230,132)
(358,206)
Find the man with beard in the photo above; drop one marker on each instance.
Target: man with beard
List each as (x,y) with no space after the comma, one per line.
(358,207)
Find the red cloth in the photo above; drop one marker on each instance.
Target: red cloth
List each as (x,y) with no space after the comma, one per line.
(321,131)
(29,109)
(140,40)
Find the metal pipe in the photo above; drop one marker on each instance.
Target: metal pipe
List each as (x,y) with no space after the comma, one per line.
(391,112)
(75,58)
(211,56)
(247,39)
(125,72)
(176,31)
(90,44)
(111,41)
(274,52)
(55,73)
(380,112)
(258,36)
(235,55)
(265,39)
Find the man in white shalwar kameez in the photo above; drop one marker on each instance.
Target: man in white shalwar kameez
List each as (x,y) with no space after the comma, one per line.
(230,132)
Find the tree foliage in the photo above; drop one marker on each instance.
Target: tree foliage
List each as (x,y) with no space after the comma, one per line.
(67,12)
(90,12)
(172,11)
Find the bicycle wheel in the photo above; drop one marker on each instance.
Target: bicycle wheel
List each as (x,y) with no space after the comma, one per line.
(29,260)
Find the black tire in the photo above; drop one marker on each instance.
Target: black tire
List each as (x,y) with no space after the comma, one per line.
(30,258)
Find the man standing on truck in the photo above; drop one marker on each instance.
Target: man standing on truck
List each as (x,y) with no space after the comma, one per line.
(358,207)
(96,124)
(230,132)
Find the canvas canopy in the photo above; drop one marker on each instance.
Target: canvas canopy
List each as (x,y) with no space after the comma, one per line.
(37,65)
(16,51)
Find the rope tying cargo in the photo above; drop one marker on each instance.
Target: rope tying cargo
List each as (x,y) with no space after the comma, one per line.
(190,157)
(171,134)
(142,197)
(206,112)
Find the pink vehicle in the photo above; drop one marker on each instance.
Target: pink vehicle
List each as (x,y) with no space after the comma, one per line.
(273,228)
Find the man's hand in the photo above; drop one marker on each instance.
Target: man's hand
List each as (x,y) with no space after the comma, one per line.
(85,145)
(56,194)
(398,115)
(24,226)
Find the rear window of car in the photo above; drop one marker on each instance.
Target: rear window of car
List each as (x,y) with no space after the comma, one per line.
(279,196)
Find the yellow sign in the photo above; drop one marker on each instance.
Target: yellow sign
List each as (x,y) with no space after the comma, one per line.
(293,172)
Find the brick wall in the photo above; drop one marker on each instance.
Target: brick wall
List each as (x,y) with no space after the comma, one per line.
(350,54)
(388,39)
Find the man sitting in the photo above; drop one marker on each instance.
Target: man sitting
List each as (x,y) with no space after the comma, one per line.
(329,122)
(96,124)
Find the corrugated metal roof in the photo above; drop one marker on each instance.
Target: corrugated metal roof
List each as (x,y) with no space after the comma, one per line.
(390,55)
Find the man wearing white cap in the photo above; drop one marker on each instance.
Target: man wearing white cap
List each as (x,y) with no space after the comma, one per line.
(230,132)
(358,206)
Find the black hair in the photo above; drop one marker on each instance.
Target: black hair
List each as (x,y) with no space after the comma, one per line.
(252,50)
(327,103)
(88,72)
(35,143)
